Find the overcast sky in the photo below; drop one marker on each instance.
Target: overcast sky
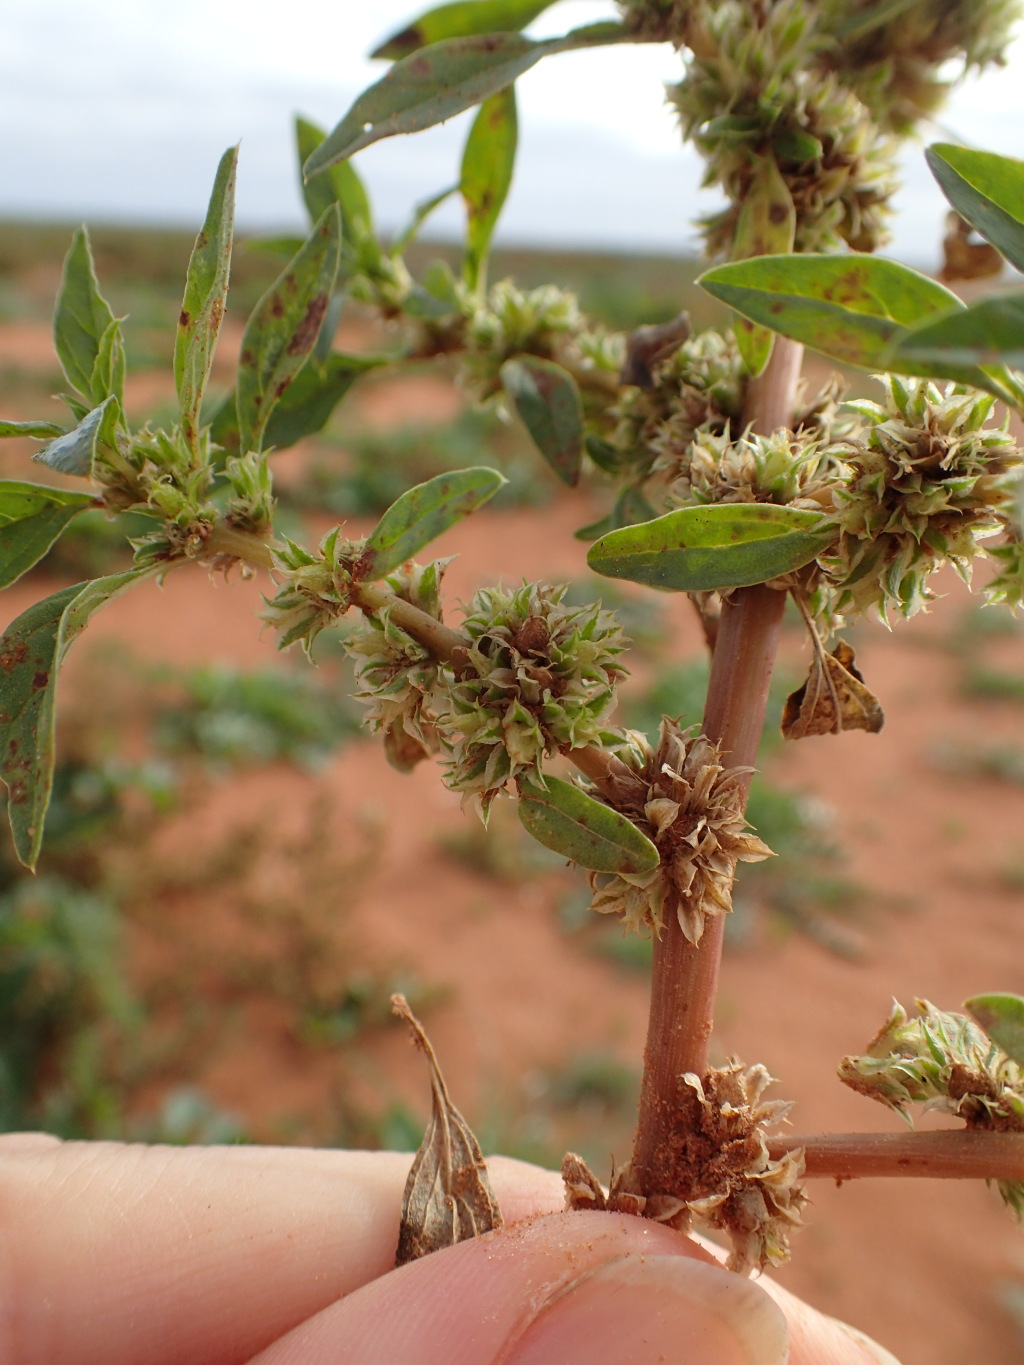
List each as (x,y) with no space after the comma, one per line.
(119,110)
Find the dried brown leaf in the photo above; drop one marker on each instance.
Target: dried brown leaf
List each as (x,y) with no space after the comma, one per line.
(647,347)
(582,1187)
(448,1197)
(834,698)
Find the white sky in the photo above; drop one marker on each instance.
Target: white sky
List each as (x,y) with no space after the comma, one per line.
(120,109)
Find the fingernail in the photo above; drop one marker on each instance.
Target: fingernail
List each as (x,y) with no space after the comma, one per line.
(871,1349)
(645,1309)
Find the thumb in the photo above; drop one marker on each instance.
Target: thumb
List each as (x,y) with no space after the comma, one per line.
(562,1289)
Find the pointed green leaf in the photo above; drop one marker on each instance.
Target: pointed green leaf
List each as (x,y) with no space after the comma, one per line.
(766,227)
(461,19)
(306,406)
(487,165)
(1002,1018)
(725,545)
(422,513)
(206,289)
(40,430)
(31,519)
(81,318)
(630,507)
(987,191)
(283,328)
(32,650)
(74,451)
(420,214)
(109,370)
(548,404)
(442,80)
(341,185)
(584,830)
(852,308)
(989,333)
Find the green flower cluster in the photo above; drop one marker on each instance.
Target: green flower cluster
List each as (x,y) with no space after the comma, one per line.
(755,87)
(927,482)
(397,677)
(539,677)
(782,468)
(314,593)
(691,808)
(942,1061)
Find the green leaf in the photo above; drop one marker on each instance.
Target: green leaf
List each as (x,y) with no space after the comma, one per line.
(766,227)
(460,20)
(725,545)
(853,308)
(31,519)
(987,191)
(487,165)
(108,372)
(574,824)
(32,650)
(206,288)
(306,406)
(989,333)
(548,404)
(420,214)
(81,318)
(73,452)
(1002,1018)
(440,81)
(40,430)
(422,513)
(340,185)
(283,328)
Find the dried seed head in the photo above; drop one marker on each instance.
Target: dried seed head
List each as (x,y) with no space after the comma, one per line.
(717,1170)
(692,810)
(539,677)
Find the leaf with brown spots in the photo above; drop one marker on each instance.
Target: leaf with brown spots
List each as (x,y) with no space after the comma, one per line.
(448,1197)
(422,513)
(283,328)
(459,19)
(32,650)
(834,698)
(434,83)
(206,288)
(854,308)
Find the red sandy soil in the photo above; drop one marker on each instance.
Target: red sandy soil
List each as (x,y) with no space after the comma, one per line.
(920,1265)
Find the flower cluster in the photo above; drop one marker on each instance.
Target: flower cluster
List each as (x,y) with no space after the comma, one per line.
(942,1061)
(700,388)
(397,677)
(691,807)
(782,468)
(927,482)
(755,87)
(539,677)
(899,67)
(315,591)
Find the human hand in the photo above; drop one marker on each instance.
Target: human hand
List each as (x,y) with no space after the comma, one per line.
(132,1255)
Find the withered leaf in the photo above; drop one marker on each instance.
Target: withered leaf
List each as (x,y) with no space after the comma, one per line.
(834,698)
(965,257)
(649,346)
(582,1187)
(448,1197)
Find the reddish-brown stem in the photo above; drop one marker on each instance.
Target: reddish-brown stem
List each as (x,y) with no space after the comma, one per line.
(956,1155)
(684,980)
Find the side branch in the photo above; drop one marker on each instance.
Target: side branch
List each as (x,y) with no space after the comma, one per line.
(951,1155)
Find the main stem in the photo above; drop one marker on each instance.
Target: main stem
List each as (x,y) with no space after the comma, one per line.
(684,979)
